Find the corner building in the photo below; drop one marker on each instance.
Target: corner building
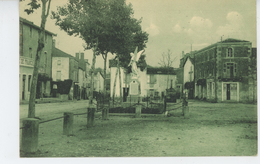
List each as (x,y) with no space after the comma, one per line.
(222,71)
(29,34)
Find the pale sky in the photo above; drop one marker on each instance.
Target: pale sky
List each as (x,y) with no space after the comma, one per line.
(172,24)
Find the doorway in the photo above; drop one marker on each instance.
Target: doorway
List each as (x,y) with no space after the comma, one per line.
(23,86)
(228,91)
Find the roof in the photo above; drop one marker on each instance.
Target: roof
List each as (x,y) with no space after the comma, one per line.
(161,70)
(35,26)
(191,59)
(228,40)
(232,40)
(59,53)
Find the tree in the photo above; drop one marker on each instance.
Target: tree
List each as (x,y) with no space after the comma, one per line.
(167,62)
(34,5)
(87,20)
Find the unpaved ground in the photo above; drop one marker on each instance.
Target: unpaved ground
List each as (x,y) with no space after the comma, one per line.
(212,130)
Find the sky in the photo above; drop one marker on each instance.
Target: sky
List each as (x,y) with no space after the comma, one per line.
(177,25)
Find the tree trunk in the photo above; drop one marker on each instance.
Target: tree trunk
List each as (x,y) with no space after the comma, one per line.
(105,101)
(114,88)
(92,75)
(105,74)
(31,110)
(120,85)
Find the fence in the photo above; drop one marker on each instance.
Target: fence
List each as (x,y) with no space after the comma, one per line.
(31,125)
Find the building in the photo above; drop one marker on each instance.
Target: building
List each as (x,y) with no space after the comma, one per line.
(29,34)
(65,68)
(221,71)
(82,77)
(188,76)
(98,82)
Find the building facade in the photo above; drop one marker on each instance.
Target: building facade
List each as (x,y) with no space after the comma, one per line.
(65,67)
(29,35)
(221,71)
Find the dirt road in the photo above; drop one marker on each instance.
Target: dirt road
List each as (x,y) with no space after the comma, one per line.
(212,130)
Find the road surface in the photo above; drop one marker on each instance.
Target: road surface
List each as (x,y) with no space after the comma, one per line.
(50,109)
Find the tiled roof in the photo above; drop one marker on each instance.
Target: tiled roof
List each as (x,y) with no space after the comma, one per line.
(232,40)
(35,26)
(59,53)
(161,70)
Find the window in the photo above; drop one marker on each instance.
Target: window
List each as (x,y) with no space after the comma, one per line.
(59,62)
(230,52)
(30,52)
(30,32)
(58,76)
(229,70)
(29,82)
(153,79)
(46,38)
(148,78)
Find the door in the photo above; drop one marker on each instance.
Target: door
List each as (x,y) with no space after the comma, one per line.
(228,91)
(23,86)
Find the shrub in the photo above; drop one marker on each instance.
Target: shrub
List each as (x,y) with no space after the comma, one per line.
(132,110)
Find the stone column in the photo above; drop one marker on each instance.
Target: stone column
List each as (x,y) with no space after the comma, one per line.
(185,109)
(30,135)
(138,110)
(105,113)
(91,115)
(68,123)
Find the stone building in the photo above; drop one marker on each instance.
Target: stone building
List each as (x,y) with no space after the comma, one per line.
(65,68)
(221,71)
(29,34)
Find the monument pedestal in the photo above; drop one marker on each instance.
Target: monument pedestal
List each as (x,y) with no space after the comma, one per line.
(134,91)
(134,99)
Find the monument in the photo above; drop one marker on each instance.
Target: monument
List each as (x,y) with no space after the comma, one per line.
(134,85)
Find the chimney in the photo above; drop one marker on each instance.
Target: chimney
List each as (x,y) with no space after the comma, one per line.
(82,56)
(182,54)
(53,42)
(77,55)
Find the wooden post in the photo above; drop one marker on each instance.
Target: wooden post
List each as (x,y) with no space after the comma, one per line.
(90,116)
(68,123)
(164,106)
(138,110)
(105,113)
(185,108)
(30,135)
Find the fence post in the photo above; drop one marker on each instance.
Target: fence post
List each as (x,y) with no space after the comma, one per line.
(90,115)
(30,134)
(164,106)
(147,101)
(185,108)
(68,123)
(138,110)
(105,110)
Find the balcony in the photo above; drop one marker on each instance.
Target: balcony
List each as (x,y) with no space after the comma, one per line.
(26,61)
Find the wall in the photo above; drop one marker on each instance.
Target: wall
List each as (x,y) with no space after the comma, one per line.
(29,39)
(73,69)
(63,67)
(188,67)
(112,79)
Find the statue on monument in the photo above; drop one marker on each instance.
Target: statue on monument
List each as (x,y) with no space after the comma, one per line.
(135,57)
